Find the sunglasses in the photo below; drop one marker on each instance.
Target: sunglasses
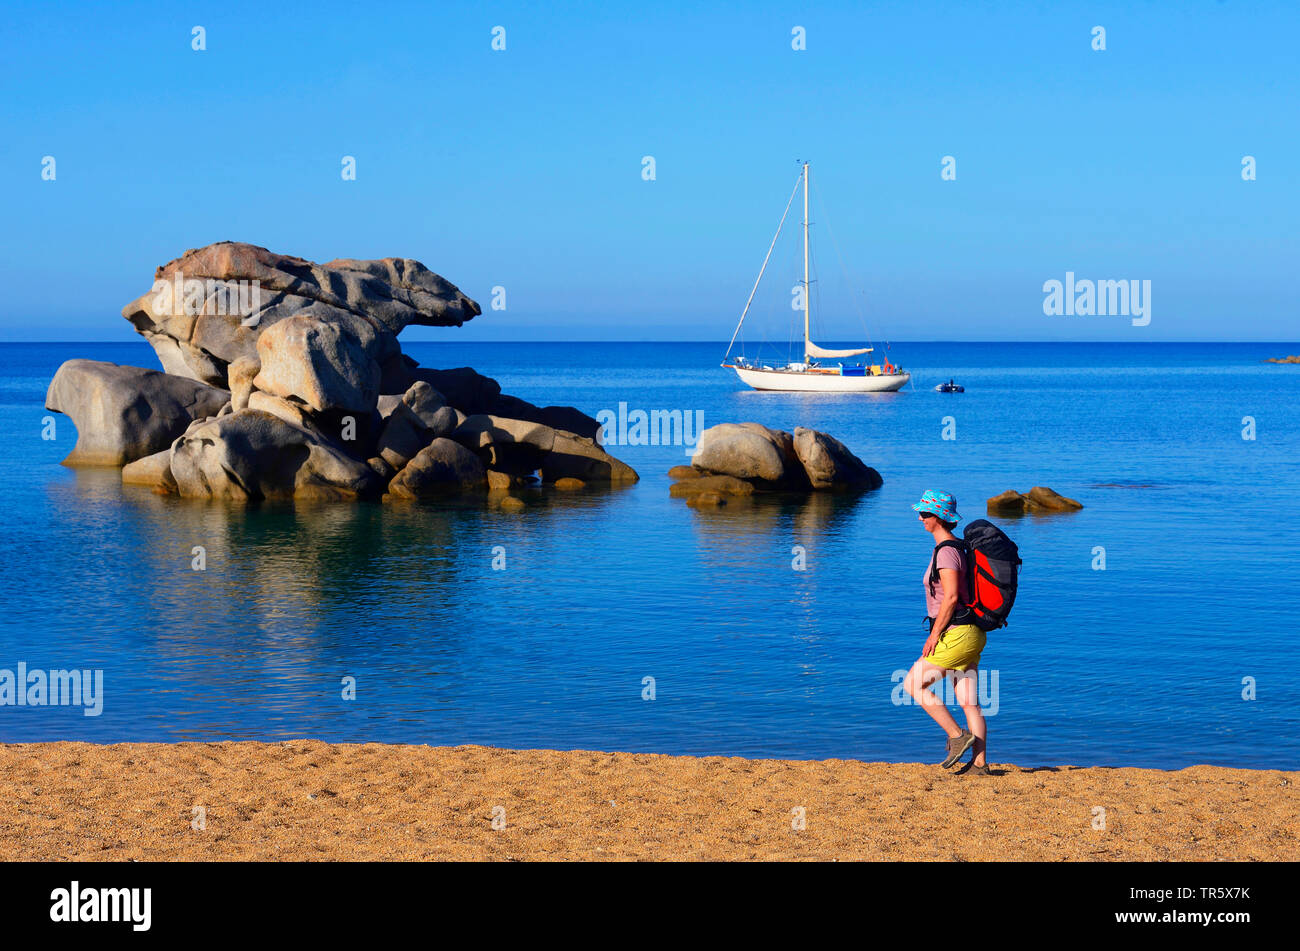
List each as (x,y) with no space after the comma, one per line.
(927,515)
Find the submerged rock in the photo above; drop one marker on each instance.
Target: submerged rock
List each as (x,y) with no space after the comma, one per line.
(716,484)
(126,413)
(706,500)
(1039,500)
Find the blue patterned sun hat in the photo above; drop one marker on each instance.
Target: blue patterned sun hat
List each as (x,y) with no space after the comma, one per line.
(941,504)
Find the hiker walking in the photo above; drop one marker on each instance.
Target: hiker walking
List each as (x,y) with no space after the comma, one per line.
(955,641)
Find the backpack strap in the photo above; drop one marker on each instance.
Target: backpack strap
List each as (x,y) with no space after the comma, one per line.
(963,613)
(934,558)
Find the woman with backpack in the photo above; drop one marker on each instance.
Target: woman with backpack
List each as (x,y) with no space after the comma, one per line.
(955,642)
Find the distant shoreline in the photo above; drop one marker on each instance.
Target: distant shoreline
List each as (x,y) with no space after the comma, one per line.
(306,799)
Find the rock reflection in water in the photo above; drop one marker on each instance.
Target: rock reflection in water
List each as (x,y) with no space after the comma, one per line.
(806,535)
(294,595)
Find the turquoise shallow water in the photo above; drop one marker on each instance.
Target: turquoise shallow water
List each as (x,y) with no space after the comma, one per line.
(1142,663)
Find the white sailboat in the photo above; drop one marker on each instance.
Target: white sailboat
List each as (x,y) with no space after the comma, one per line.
(812,375)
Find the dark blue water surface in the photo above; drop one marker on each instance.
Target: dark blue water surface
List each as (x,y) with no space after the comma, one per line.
(1143,663)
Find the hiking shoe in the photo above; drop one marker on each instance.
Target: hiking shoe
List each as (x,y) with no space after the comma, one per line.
(981,769)
(957,745)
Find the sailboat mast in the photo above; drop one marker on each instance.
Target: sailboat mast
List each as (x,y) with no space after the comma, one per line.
(805,262)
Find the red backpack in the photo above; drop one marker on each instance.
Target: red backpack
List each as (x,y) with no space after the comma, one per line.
(992,573)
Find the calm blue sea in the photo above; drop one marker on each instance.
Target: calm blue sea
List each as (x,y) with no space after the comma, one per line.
(1144,663)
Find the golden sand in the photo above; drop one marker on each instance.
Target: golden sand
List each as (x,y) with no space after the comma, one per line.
(313,800)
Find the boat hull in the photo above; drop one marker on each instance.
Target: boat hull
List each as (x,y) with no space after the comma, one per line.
(799,382)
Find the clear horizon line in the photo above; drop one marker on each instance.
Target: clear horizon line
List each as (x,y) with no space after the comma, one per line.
(1008,342)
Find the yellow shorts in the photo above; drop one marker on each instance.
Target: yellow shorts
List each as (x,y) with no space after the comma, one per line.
(959,647)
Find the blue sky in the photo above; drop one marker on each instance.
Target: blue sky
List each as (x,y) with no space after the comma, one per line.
(523,167)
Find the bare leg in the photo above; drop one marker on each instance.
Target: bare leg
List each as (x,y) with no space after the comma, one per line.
(922,674)
(968,696)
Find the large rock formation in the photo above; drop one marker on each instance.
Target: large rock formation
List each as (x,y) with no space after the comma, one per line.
(285,379)
(208,307)
(126,413)
(736,459)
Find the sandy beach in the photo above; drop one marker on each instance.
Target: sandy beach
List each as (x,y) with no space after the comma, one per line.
(320,801)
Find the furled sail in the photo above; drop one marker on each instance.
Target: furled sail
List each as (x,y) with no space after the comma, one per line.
(812,350)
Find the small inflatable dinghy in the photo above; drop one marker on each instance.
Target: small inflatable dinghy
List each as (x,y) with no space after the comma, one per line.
(950,387)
